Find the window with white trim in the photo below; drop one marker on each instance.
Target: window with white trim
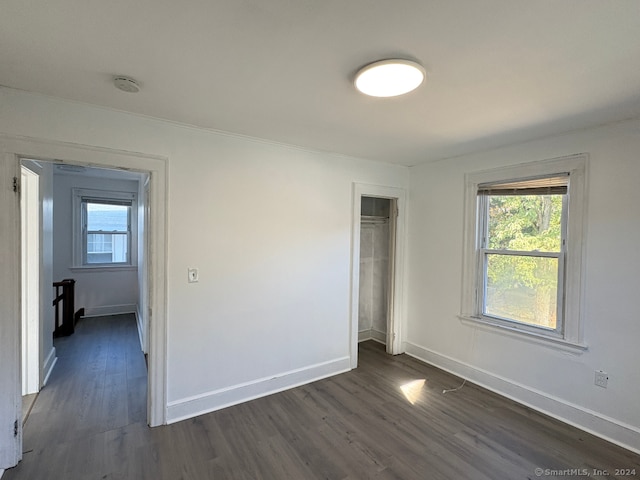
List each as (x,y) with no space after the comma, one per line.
(105,228)
(106,231)
(521,254)
(523,251)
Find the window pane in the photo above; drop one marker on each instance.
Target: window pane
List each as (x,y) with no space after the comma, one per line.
(525,222)
(107,247)
(98,243)
(109,218)
(523,289)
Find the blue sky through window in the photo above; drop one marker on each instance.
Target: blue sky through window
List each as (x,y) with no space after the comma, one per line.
(108,218)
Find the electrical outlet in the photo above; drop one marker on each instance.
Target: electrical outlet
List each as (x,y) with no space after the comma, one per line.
(192,275)
(601,378)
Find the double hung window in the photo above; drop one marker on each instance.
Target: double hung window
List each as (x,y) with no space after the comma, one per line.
(105,233)
(524,248)
(522,230)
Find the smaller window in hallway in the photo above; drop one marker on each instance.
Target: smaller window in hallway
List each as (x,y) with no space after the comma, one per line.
(105,228)
(107,232)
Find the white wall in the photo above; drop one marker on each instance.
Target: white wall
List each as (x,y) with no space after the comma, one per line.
(268,227)
(99,292)
(554,381)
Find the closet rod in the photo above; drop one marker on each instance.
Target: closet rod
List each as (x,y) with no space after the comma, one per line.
(373,219)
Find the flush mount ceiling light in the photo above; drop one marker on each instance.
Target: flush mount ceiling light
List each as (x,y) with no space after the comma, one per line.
(126,84)
(389,78)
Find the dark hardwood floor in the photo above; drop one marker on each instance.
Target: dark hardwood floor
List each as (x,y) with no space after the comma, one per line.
(89,423)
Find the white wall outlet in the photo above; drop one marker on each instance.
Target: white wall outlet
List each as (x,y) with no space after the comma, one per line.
(193,275)
(601,378)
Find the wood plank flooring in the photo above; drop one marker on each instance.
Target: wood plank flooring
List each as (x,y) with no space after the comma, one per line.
(27,404)
(89,423)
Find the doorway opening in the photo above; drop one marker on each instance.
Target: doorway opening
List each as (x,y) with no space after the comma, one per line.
(30,230)
(377,268)
(46,154)
(377,244)
(113,281)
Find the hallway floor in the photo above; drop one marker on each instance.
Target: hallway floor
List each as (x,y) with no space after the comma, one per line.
(97,389)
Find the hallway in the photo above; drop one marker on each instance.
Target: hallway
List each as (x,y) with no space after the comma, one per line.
(97,393)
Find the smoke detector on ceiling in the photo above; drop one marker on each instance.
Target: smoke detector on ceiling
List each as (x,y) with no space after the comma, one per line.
(126,84)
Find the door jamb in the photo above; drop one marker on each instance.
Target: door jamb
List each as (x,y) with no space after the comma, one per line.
(31,276)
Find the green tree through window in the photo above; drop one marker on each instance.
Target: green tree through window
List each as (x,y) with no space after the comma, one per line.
(520,284)
(523,250)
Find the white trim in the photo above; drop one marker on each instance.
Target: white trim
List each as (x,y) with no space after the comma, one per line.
(574,284)
(189,407)
(378,336)
(397,317)
(372,334)
(156,166)
(607,428)
(31,248)
(364,335)
(10,312)
(45,261)
(107,310)
(49,363)
(546,340)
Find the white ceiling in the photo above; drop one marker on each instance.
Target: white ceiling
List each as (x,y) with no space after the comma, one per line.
(499,71)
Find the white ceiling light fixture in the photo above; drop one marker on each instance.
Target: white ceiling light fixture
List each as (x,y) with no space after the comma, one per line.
(126,84)
(389,78)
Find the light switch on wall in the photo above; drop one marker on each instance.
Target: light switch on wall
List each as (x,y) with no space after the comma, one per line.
(193,275)
(601,378)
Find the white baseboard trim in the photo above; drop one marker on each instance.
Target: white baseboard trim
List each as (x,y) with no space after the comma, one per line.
(372,334)
(607,428)
(109,310)
(49,363)
(378,336)
(189,407)
(364,335)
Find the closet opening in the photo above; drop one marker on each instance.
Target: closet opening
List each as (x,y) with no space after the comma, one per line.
(377,253)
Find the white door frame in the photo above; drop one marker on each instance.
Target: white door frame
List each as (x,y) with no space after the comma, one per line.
(10,314)
(31,259)
(12,149)
(147,274)
(397,297)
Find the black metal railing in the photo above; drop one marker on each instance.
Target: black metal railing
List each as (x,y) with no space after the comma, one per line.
(64,303)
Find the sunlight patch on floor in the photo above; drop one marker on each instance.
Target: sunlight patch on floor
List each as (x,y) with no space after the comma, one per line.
(413,390)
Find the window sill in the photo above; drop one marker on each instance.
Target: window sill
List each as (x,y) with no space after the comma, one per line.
(104,268)
(553,342)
